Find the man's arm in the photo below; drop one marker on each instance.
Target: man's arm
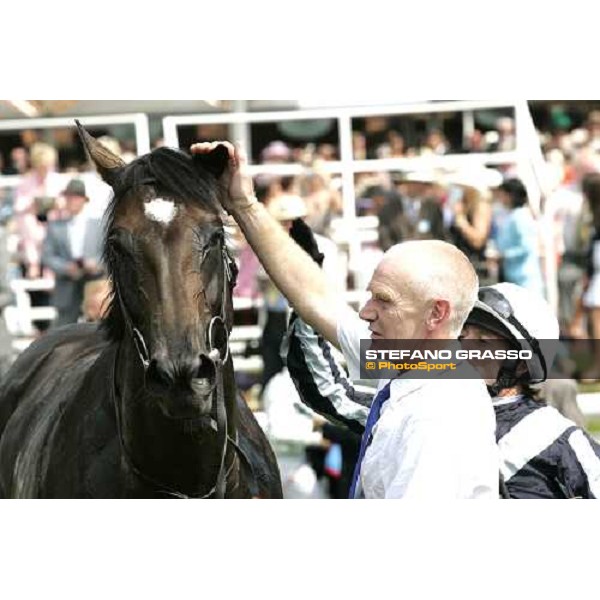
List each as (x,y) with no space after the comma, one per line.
(291,269)
(321,381)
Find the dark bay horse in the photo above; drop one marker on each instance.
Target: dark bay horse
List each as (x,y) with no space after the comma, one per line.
(145,405)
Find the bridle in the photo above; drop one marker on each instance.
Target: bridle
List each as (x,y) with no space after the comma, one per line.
(218,356)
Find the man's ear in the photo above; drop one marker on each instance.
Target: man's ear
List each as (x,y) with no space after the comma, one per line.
(438,315)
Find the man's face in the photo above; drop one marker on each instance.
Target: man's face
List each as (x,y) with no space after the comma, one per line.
(392,311)
(75,204)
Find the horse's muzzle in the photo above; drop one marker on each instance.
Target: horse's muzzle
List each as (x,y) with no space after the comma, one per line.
(185,388)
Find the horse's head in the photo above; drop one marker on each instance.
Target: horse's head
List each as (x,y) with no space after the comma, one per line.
(171,272)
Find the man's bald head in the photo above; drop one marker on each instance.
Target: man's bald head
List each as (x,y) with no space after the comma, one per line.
(434,270)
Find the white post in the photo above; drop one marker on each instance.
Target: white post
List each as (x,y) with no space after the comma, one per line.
(142,134)
(170,132)
(348,189)
(241,130)
(468,122)
(533,161)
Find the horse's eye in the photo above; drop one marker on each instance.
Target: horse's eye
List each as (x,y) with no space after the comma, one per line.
(121,239)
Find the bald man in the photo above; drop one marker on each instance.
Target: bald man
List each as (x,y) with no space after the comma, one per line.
(429,438)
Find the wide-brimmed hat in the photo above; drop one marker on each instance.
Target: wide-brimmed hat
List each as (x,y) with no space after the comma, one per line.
(479,178)
(423,176)
(287,207)
(75,187)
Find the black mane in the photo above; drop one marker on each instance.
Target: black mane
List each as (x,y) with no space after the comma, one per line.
(164,173)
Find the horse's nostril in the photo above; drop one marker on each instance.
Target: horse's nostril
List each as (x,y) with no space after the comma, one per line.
(206,369)
(159,370)
(204,378)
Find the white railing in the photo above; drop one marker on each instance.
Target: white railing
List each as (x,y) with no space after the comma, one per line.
(21,315)
(347,166)
(138,120)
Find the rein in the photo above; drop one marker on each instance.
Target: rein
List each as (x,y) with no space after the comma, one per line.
(218,358)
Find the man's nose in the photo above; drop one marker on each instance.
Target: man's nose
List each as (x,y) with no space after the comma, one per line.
(367,313)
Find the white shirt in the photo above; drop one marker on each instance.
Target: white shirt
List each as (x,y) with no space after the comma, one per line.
(435,437)
(76,228)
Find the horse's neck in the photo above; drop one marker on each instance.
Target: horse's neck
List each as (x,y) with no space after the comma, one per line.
(183,455)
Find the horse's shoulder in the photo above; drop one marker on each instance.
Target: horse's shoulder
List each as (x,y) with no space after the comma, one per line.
(48,374)
(58,384)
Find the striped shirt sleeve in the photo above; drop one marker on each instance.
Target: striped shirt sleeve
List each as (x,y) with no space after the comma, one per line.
(321,381)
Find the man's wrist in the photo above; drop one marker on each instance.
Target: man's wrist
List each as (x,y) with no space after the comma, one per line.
(242,204)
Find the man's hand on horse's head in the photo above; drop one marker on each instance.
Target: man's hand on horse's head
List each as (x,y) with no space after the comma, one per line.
(237,183)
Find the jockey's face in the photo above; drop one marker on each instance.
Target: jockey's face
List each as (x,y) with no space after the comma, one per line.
(484,339)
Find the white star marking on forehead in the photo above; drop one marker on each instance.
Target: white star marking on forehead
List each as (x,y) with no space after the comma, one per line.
(161,211)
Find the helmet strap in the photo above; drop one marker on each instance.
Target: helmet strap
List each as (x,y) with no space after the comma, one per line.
(507,376)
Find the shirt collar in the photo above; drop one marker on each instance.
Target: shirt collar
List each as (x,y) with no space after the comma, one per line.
(406,385)
(501,401)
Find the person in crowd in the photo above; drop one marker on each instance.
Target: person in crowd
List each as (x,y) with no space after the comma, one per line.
(359,145)
(72,249)
(571,217)
(517,239)
(475,142)
(35,198)
(96,298)
(18,163)
(425,438)
(323,202)
(435,144)
(342,447)
(423,205)
(393,225)
(591,293)
(471,219)
(247,284)
(326,152)
(505,126)
(562,395)
(7,352)
(393,147)
(592,125)
(542,453)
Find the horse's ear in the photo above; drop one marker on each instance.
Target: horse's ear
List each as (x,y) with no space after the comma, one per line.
(214,162)
(108,164)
